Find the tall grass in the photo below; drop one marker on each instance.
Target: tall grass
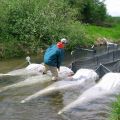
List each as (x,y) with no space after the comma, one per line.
(115,112)
(112,33)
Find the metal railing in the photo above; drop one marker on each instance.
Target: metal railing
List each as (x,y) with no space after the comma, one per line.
(94,59)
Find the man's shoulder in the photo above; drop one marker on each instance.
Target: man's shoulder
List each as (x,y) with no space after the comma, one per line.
(55,48)
(53,45)
(60,50)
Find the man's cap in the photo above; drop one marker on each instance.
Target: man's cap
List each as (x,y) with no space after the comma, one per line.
(63,40)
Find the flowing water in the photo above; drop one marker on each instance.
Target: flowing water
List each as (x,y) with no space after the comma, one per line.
(45,108)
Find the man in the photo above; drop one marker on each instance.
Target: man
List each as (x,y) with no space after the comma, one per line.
(53,58)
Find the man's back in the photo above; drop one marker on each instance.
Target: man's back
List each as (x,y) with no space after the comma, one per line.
(53,55)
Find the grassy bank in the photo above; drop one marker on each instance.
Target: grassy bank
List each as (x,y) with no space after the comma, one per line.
(115,111)
(112,33)
(83,35)
(30,26)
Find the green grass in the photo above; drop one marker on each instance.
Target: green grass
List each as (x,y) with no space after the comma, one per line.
(115,112)
(30,25)
(109,33)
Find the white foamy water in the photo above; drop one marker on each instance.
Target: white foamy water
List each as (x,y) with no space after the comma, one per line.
(64,72)
(46,108)
(83,78)
(107,85)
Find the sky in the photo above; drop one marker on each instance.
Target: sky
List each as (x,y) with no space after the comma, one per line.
(113,7)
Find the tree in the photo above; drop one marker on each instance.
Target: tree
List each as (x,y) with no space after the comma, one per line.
(89,11)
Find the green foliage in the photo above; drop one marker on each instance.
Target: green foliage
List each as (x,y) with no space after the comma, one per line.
(33,24)
(116,20)
(115,112)
(90,11)
(110,33)
(94,12)
(29,25)
(77,35)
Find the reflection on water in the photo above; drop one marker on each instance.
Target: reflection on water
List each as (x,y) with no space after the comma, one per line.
(41,109)
(44,108)
(98,109)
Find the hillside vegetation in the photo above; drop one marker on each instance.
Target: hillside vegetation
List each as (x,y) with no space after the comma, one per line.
(28,26)
(111,33)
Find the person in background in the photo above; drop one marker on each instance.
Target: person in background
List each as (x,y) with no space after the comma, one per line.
(53,58)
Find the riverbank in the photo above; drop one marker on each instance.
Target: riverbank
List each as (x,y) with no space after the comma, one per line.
(93,35)
(27,29)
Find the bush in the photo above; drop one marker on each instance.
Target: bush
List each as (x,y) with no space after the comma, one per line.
(34,24)
(115,113)
(77,36)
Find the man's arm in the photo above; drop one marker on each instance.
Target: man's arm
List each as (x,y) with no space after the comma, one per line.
(60,58)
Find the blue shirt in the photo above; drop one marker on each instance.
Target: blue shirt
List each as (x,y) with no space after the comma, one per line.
(54,56)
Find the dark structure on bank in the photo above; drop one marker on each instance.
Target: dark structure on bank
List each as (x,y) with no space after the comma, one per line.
(102,62)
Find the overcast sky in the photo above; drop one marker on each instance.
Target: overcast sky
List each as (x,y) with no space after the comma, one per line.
(113,7)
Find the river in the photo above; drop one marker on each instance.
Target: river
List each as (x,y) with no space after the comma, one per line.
(45,108)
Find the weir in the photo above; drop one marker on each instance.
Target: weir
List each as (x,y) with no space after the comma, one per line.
(108,84)
(102,63)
